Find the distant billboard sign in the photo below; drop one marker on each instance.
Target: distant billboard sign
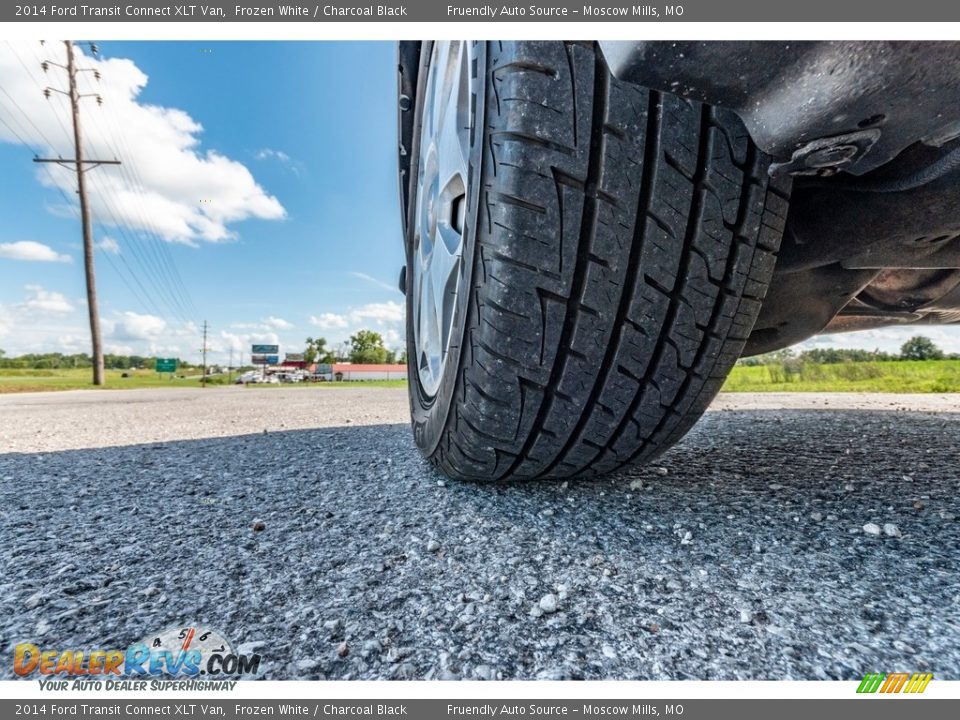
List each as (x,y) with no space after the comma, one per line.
(264,359)
(294,357)
(265,349)
(167,365)
(324,369)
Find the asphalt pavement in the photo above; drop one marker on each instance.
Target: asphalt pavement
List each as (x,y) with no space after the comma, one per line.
(787,537)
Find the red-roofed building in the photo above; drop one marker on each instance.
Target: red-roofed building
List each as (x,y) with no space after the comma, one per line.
(356,371)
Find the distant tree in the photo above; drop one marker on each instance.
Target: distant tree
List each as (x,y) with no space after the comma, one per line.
(117,362)
(366,347)
(310,352)
(317,351)
(341,352)
(59,361)
(403,357)
(771,358)
(920,348)
(828,356)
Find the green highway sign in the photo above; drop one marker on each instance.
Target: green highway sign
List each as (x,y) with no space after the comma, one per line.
(166,365)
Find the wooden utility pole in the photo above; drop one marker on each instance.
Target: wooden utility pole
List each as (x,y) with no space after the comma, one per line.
(81,165)
(203,379)
(93,309)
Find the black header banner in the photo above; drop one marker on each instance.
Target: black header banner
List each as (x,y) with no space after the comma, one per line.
(738,11)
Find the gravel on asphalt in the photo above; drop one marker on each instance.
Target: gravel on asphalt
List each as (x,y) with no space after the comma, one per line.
(303,523)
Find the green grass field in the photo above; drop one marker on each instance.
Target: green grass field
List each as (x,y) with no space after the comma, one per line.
(903,376)
(28,380)
(936,376)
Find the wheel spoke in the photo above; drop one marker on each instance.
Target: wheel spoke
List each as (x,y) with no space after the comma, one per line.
(439,77)
(446,256)
(444,295)
(451,150)
(425,306)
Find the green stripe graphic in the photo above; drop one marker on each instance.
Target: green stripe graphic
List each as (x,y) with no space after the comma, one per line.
(871,682)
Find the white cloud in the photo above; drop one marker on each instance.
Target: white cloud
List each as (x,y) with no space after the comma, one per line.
(134,326)
(240,343)
(168,183)
(37,322)
(31,251)
(69,343)
(386,318)
(231,341)
(329,321)
(387,312)
(263,338)
(109,245)
(267,153)
(46,321)
(132,333)
(294,166)
(267,325)
(278,323)
(393,338)
(40,300)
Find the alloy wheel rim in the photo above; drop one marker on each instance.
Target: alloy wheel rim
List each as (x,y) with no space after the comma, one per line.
(442,198)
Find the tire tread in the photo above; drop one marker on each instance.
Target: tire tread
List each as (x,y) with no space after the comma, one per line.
(625,243)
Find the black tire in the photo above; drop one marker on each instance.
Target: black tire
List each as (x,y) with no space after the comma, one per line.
(617,251)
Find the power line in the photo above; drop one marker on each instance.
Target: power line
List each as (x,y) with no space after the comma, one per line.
(160,247)
(123,234)
(154,265)
(40,85)
(27,117)
(149,256)
(17,135)
(152,268)
(127,234)
(56,186)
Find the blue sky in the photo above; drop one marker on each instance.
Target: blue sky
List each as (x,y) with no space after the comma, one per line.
(302,238)
(265,172)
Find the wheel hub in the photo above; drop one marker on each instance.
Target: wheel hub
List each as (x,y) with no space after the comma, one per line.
(442,193)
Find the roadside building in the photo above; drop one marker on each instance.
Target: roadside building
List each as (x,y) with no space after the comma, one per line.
(356,371)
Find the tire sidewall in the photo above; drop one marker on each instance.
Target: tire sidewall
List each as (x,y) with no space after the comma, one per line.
(429,414)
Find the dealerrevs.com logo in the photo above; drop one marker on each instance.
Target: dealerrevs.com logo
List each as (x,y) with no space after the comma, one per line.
(178,652)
